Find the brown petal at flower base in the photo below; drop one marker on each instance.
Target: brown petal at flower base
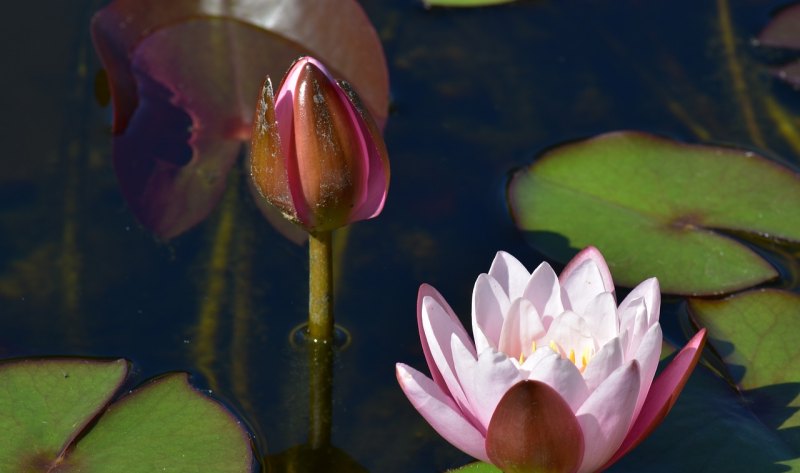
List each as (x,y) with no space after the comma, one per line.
(533,430)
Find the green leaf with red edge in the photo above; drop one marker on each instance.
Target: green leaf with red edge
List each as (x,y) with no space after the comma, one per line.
(184,80)
(757,336)
(657,207)
(55,416)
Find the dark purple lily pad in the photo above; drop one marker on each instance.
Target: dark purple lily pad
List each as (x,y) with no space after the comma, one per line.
(784,32)
(184,80)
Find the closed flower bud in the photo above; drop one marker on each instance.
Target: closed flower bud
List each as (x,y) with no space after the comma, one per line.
(317,154)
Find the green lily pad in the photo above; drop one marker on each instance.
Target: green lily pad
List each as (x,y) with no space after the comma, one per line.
(655,207)
(477,467)
(49,412)
(757,335)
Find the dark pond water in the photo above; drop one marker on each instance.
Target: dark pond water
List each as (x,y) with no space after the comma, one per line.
(475,94)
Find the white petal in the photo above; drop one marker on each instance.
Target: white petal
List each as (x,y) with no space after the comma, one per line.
(593,254)
(520,328)
(606,416)
(485,381)
(601,314)
(441,412)
(632,316)
(647,356)
(583,284)
(544,291)
(489,306)
(561,375)
(571,331)
(650,291)
(510,273)
(639,329)
(438,328)
(602,364)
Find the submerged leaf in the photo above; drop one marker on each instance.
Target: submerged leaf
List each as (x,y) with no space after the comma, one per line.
(184,82)
(654,207)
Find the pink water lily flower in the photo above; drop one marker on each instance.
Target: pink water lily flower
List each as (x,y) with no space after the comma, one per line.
(558,378)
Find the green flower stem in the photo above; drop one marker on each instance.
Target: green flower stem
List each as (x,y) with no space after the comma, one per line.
(320,295)
(320,386)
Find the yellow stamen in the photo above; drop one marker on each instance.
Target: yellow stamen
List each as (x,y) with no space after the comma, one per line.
(521,358)
(554,347)
(585,357)
(533,346)
(572,356)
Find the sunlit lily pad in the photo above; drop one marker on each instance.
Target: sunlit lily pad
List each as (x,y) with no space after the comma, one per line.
(55,416)
(784,32)
(656,207)
(757,335)
(184,81)
(477,467)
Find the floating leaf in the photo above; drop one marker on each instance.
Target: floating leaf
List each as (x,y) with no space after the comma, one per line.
(477,467)
(757,334)
(184,80)
(654,207)
(784,32)
(463,3)
(49,412)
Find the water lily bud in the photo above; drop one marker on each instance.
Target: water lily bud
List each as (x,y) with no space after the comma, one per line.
(317,154)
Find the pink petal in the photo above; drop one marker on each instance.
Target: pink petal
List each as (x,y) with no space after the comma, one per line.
(602,364)
(441,412)
(489,306)
(520,328)
(663,394)
(561,375)
(647,355)
(571,331)
(484,381)
(650,291)
(601,314)
(633,322)
(510,273)
(544,291)
(583,284)
(438,328)
(376,159)
(592,254)
(606,415)
(428,291)
(534,430)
